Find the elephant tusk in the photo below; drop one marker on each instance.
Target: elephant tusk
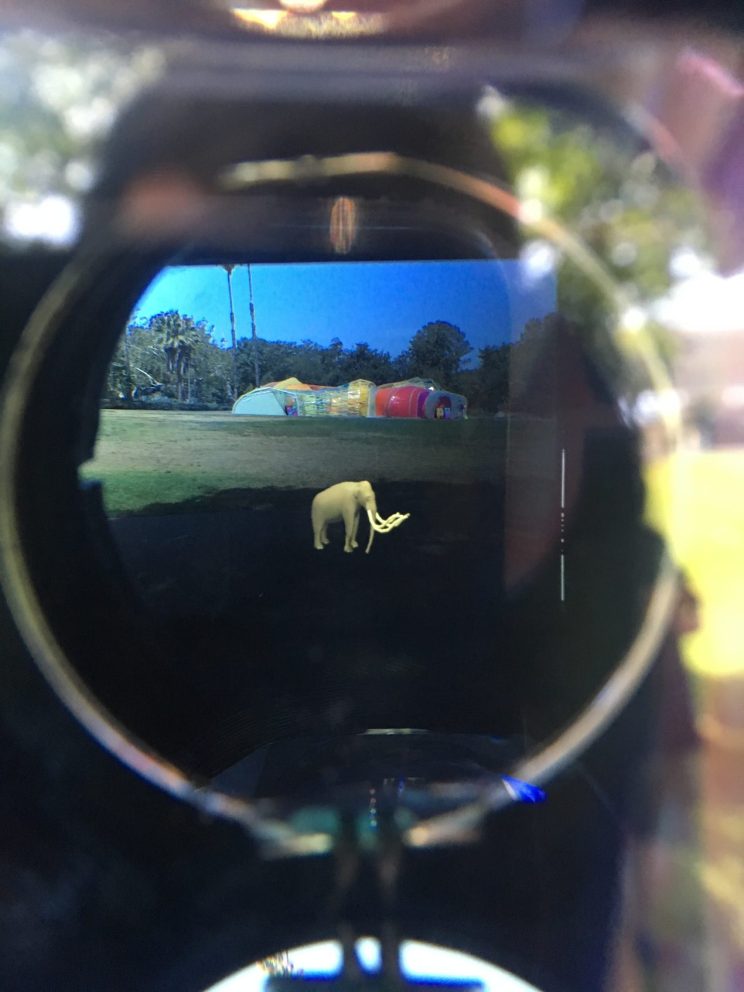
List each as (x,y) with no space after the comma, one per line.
(396,519)
(393,521)
(385,525)
(372,529)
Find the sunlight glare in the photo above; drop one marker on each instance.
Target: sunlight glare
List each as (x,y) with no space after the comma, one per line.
(419,961)
(705,303)
(54,220)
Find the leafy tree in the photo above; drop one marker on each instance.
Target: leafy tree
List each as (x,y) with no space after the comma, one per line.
(138,363)
(176,357)
(278,360)
(119,382)
(210,372)
(364,362)
(177,336)
(618,199)
(436,352)
(312,363)
(309,364)
(490,382)
(275,359)
(332,359)
(173,356)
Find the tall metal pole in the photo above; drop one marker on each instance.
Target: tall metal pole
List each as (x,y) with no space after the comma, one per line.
(254,337)
(228,269)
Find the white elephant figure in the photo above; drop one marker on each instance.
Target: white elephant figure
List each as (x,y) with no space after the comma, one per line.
(343,502)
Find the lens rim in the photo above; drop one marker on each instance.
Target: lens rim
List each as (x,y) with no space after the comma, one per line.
(21,584)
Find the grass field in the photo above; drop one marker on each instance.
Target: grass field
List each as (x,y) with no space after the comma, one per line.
(150,459)
(159,460)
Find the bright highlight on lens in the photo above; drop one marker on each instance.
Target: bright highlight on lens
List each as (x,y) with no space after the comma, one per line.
(419,962)
(474,406)
(303,6)
(53,219)
(301,20)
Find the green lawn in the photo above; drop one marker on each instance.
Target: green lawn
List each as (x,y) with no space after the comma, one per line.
(147,458)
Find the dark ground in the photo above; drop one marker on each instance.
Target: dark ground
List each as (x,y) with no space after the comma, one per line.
(277,639)
(251,635)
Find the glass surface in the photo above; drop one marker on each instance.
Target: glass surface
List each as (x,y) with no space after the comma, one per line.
(502,422)
(502,413)
(287,687)
(419,962)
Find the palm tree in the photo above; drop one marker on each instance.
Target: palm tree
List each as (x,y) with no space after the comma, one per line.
(177,337)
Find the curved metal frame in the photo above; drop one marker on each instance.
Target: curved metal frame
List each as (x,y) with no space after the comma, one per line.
(46,650)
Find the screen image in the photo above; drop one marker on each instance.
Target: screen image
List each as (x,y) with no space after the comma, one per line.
(325,484)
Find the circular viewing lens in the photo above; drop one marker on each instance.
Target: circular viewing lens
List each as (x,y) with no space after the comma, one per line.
(364,531)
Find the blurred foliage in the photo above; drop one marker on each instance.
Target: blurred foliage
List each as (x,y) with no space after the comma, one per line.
(59,98)
(614,195)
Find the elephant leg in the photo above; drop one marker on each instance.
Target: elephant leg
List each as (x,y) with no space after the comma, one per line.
(351,519)
(318,538)
(319,531)
(354,530)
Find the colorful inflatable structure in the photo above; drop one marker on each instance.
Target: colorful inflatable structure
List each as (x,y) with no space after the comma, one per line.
(413,398)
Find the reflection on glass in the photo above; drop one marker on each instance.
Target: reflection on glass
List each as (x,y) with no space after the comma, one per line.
(509,419)
(499,434)
(514,413)
(63,97)
(419,962)
(232,405)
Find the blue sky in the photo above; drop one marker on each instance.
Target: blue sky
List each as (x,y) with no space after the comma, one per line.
(382,303)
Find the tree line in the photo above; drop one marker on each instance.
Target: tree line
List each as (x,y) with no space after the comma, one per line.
(173,361)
